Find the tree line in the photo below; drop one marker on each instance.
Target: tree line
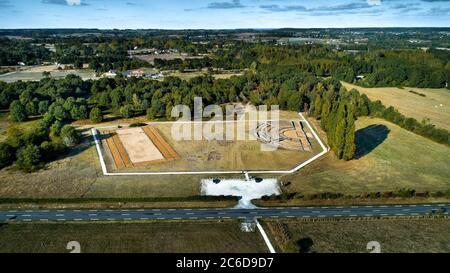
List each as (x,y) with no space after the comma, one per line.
(60,102)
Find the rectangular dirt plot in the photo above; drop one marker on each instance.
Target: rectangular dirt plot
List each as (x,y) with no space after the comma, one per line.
(138,146)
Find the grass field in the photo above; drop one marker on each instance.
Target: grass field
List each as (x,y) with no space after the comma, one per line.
(150,237)
(435,105)
(393,164)
(237,155)
(389,158)
(79,175)
(394,235)
(35,74)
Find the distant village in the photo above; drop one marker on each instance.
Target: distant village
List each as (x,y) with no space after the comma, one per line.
(138,73)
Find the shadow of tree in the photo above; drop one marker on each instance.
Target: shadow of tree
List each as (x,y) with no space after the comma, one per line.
(367,139)
(305,245)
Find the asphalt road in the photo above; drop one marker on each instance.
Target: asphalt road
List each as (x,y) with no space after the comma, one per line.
(192,214)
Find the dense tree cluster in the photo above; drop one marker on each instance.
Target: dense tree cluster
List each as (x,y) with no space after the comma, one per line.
(12,52)
(63,101)
(295,77)
(336,110)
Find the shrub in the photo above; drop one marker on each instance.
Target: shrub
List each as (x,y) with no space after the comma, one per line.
(126,111)
(138,124)
(96,115)
(70,136)
(6,155)
(29,158)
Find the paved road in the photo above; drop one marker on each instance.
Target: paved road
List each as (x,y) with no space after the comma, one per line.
(186,214)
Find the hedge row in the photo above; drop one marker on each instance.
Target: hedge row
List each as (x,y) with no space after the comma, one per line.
(403,193)
(117,200)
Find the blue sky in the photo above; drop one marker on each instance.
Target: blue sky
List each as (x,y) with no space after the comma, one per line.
(219,14)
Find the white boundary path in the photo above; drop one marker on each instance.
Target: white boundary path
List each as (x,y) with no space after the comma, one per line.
(265,237)
(325,150)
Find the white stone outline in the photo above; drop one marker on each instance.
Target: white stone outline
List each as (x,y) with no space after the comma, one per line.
(325,150)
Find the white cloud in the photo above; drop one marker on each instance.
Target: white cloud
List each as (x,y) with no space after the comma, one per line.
(73,2)
(374,2)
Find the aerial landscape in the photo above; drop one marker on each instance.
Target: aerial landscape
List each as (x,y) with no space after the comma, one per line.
(239,127)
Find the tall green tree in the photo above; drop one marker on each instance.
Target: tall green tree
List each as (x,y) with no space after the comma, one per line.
(17,111)
(96,115)
(350,146)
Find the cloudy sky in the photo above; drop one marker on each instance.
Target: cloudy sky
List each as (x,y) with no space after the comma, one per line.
(182,14)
